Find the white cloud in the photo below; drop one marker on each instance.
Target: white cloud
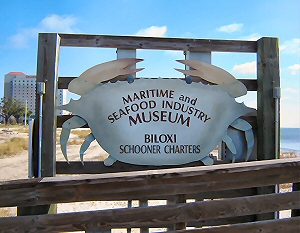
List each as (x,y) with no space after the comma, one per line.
(291,46)
(290,90)
(252,104)
(252,37)
(230,28)
(294,68)
(51,23)
(246,68)
(153,31)
(286,118)
(175,53)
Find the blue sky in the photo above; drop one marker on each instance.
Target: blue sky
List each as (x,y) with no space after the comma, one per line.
(21,21)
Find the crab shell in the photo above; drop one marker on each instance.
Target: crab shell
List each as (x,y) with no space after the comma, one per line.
(106,102)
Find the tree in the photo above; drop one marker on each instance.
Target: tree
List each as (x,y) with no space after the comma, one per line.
(10,107)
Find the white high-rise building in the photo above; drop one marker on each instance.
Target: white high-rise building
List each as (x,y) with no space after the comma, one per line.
(20,86)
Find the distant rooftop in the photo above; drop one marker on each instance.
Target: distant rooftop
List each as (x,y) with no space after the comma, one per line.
(16,73)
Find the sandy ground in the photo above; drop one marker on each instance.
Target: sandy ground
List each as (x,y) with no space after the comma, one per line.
(16,167)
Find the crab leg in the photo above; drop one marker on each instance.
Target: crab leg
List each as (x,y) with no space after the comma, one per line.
(109,160)
(243,125)
(72,123)
(207,160)
(86,145)
(230,145)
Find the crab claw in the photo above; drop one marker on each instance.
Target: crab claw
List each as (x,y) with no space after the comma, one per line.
(215,75)
(228,141)
(89,79)
(85,145)
(72,123)
(119,64)
(243,125)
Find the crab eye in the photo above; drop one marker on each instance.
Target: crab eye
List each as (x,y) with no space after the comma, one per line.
(130,79)
(189,79)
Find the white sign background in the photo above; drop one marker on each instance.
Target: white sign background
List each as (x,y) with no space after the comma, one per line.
(158,121)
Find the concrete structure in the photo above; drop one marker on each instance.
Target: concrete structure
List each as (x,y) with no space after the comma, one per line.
(20,86)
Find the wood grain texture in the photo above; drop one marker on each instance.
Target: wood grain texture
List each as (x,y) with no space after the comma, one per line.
(156,43)
(251,84)
(141,217)
(152,183)
(47,68)
(267,79)
(296,187)
(286,225)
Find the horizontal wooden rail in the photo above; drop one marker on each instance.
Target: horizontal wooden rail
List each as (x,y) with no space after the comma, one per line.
(152,216)
(251,84)
(148,184)
(157,43)
(98,167)
(286,225)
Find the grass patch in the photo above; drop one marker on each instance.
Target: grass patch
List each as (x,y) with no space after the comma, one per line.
(292,154)
(14,146)
(7,211)
(286,186)
(3,126)
(81,133)
(75,142)
(22,129)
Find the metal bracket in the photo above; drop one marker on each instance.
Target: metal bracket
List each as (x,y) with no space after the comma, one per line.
(276,92)
(40,88)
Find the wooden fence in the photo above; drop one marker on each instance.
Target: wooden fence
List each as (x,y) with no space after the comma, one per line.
(241,185)
(159,184)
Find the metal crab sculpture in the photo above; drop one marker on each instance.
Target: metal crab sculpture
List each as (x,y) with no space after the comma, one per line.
(157,121)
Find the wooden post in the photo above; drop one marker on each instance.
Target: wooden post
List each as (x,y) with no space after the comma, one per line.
(47,68)
(267,79)
(127,53)
(47,72)
(296,187)
(203,57)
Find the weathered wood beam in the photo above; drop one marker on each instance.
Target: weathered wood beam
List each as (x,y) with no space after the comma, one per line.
(159,43)
(296,187)
(251,84)
(222,221)
(47,72)
(267,79)
(149,184)
(268,117)
(286,225)
(149,216)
